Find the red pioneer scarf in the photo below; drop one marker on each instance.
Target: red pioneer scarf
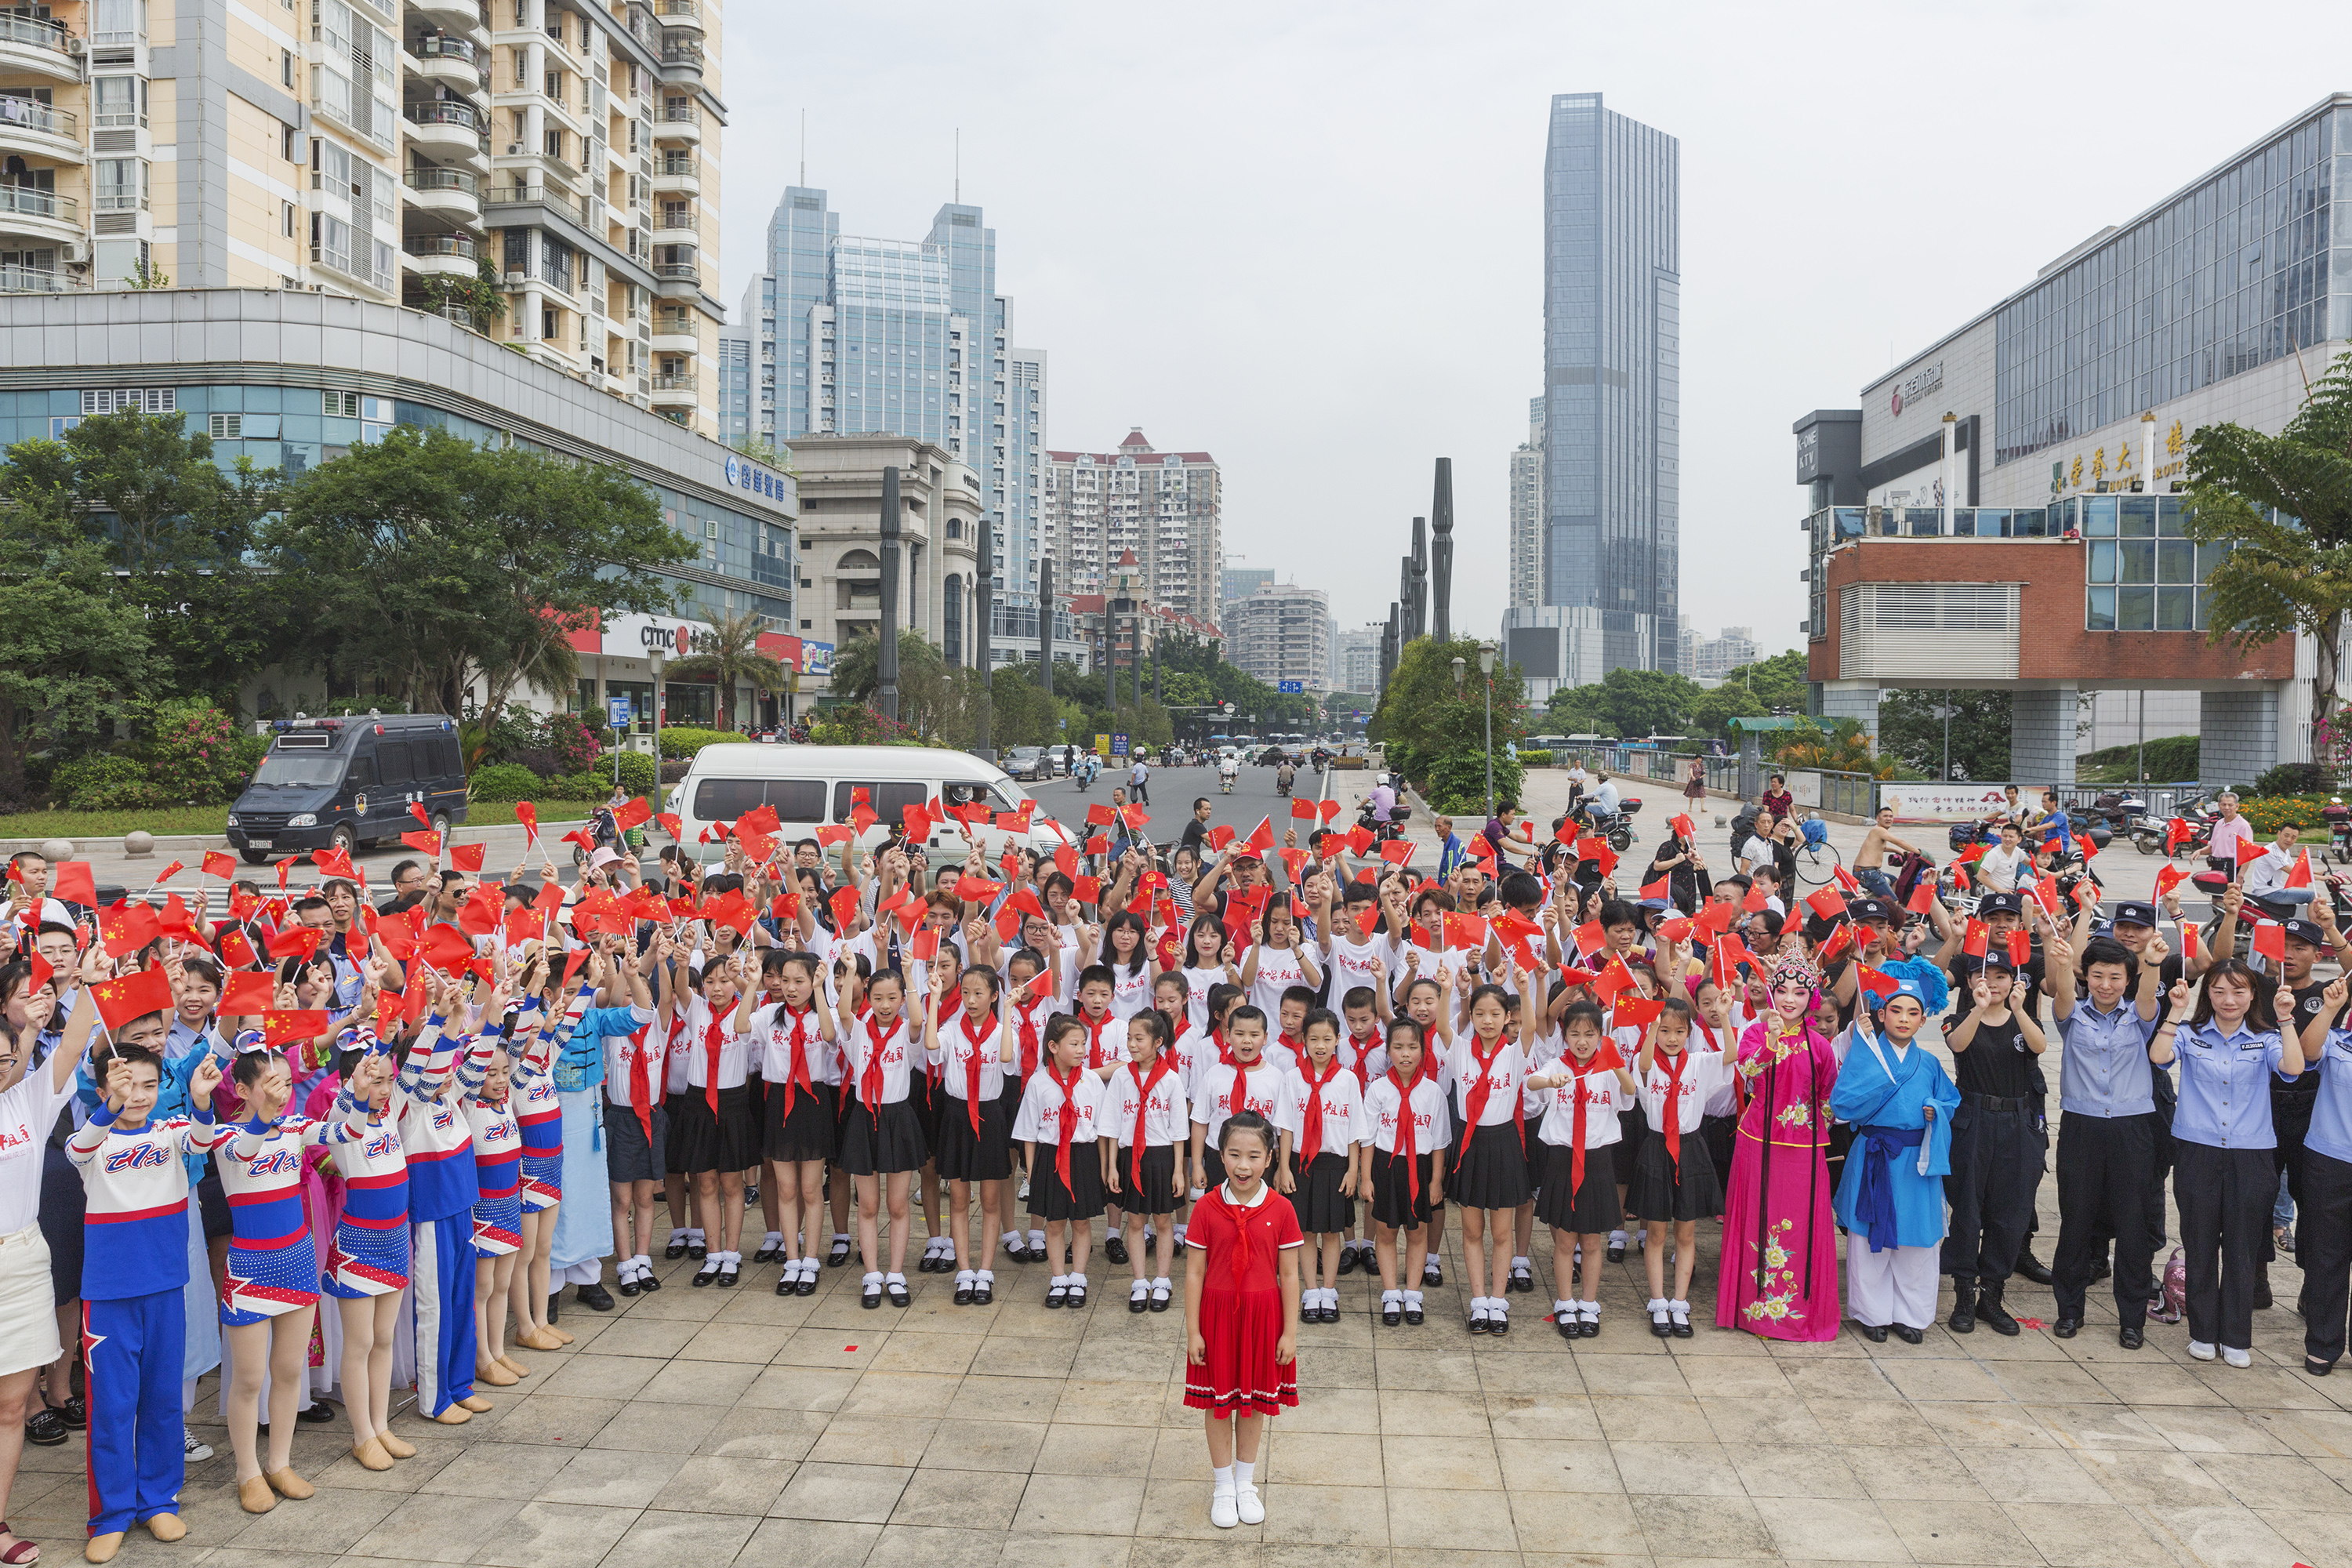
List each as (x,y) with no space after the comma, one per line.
(1312,1142)
(1605,1059)
(713,1041)
(1067,1118)
(1238,1101)
(869,1080)
(1673,1106)
(980,1043)
(640,1083)
(1143,1088)
(1297,1051)
(1094,1027)
(796,1076)
(1474,1106)
(1028,1016)
(1405,1149)
(1364,1049)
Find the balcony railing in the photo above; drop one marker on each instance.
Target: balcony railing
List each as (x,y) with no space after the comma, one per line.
(682,55)
(445,47)
(678,8)
(677,271)
(444,114)
(674,383)
(15,279)
(119,202)
(518,195)
(423,178)
(24,114)
(680,114)
(36,35)
(677,164)
(23,201)
(439,245)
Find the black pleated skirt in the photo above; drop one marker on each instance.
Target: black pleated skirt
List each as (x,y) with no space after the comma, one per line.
(1661,1190)
(1323,1208)
(812,1129)
(925,1096)
(726,1140)
(964,1155)
(1590,1210)
(881,1142)
(1632,1130)
(1154,1195)
(1395,1204)
(674,1147)
(1082,1199)
(1491,1169)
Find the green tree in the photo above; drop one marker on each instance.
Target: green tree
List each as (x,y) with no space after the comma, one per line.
(929,700)
(1579,710)
(1779,682)
(759,449)
(1647,701)
(2279,511)
(432,562)
(73,647)
(1433,730)
(733,657)
(1910,731)
(1711,712)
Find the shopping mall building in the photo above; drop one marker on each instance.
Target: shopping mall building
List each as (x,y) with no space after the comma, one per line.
(2004,510)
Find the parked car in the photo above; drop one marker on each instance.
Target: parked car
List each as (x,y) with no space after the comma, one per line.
(348,784)
(1028,762)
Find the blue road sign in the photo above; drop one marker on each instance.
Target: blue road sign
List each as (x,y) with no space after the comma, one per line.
(618,709)
(1290,687)
(1118,745)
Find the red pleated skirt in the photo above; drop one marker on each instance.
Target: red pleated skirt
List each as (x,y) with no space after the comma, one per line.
(1239,1375)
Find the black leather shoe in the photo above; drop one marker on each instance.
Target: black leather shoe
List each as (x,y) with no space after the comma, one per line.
(706,1274)
(787,1287)
(2067,1328)
(1477,1325)
(839,1256)
(807,1286)
(963,1298)
(1413,1316)
(1874,1332)
(1995,1317)
(1115,1249)
(1349,1258)
(2318,1368)
(1963,1320)
(46,1428)
(1616,1253)
(319,1413)
(2131,1338)
(765,1254)
(2030,1267)
(697,1250)
(1391,1314)
(594,1297)
(2101,1269)
(676,1247)
(629,1285)
(1498,1327)
(898,1296)
(1907,1334)
(727,1276)
(649,1281)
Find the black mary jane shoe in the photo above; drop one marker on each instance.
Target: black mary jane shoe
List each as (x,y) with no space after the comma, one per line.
(706,1274)
(765,1254)
(839,1256)
(46,1428)
(1413,1316)
(1520,1280)
(983,1292)
(1348,1260)
(788,1286)
(1115,1249)
(1076,1298)
(873,1297)
(676,1248)
(697,1250)
(1433,1275)
(1141,1304)
(1616,1253)
(629,1285)
(1391,1314)
(1874,1332)
(806,1285)
(649,1282)
(2318,1368)
(726,1280)
(1498,1327)
(1479,1326)
(1907,1334)
(963,1296)
(2067,1328)
(594,1297)
(1569,1327)
(898,1292)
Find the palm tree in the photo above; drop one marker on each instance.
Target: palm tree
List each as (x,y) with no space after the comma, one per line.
(733,655)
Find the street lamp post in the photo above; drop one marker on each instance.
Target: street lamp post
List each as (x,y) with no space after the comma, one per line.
(655,657)
(1943,710)
(1487,668)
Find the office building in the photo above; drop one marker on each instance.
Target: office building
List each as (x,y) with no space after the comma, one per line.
(1360,657)
(1711,658)
(855,335)
(734,365)
(1527,501)
(1282,632)
(2002,511)
(1166,506)
(499,168)
(1555,646)
(1241,582)
(1612,407)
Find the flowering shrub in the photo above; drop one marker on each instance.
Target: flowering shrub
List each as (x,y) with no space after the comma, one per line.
(861,726)
(569,738)
(193,753)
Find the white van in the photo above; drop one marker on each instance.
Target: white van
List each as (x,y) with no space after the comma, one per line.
(809,786)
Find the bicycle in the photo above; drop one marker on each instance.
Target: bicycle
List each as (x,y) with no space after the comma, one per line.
(1817,858)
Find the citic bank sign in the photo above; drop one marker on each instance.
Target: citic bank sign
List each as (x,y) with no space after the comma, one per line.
(678,641)
(637,637)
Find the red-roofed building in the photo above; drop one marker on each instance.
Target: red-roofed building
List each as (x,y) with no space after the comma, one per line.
(1167,508)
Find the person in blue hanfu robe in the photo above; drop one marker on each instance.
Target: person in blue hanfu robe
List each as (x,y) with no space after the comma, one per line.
(1900,1101)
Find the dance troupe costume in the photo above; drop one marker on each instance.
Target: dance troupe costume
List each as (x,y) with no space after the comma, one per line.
(1778,1271)
(1891,1198)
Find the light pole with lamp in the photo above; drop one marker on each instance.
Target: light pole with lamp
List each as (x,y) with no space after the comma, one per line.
(1486,668)
(654,658)
(1943,710)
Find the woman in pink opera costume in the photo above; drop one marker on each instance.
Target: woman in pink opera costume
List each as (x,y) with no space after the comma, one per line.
(1779,1243)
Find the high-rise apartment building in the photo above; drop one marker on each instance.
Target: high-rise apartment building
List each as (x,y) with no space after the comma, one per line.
(531,169)
(1360,657)
(1282,632)
(1712,658)
(1611,400)
(1241,582)
(1167,506)
(852,335)
(1527,514)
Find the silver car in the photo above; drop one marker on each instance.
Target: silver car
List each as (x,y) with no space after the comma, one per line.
(1028,762)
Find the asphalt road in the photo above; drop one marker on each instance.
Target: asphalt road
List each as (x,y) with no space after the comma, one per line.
(1173,791)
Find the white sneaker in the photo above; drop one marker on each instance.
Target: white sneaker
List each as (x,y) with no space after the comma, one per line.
(1224,1512)
(2237,1357)
(1247,1505)
(198,1450)
(2199,1350)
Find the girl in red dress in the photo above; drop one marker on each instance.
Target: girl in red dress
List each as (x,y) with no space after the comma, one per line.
(1241,1314)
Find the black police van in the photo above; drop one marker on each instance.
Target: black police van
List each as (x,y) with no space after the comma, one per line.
(349,782)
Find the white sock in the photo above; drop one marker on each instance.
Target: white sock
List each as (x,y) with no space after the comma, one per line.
(1077,1281)
(1392,1297)
(1181,1228)
(1522,1265)
(1477,1305)
(871,1280)
(694,1236)
(791,1268)
(1013,1236)
(809,1266)
(1161,1284)
(1244,1473)
(1140,1290)
(770,1242)
(964,1277)
(1589,1309)
(1561,1309)
(1656,1307)
(644,1262)
(1036,1241)
(1616,1239)
(1413,1298)
(1225,1475)
(1059,1282)
(894,1279)
(841,1237)
(982,1276)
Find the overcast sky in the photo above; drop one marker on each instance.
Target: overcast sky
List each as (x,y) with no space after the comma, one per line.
(1308,238)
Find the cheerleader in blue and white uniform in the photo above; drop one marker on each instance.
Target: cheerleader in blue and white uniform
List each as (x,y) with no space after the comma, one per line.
(367,1265)
(498,1212)
(269,1297)
(534,1035)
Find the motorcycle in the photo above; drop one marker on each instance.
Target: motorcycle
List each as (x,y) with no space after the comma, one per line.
(1284,777)
(1225,779)
(2149,834)
(1383,832)
(1616,827)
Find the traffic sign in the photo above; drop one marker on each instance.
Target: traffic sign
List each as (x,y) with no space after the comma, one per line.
(617,708)
(1102,745)
(1119,745)
(1290,687)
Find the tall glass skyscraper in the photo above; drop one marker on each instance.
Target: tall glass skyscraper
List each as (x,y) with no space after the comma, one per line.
(1612,334)
(852,335)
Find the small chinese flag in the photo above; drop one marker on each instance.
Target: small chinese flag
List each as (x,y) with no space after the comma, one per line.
(423,843)
(1975,938)
(528,814)
(1877,982)
(1261,837)
(2300,876)
(1302,809)
(74,883)
(235,950)
(175,868)
(1828,903)
(294,942)
(1662,889)
(844,907)
(1757,899)
(2020,949)
(220,863)
(1635,1013)
(1922,897)
(127,927)
(283,1028)
(2169,877)
(467,856)
(631,815)
(131,996)
(2270,940)
(248,994)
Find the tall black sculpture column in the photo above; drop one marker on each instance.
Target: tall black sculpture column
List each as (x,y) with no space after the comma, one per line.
(1441,520)
(888,661)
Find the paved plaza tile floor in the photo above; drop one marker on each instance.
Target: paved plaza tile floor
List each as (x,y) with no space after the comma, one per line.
(693,1428)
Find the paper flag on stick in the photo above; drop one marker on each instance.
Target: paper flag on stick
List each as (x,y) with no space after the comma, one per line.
(248,993)
(468,857)
(131,996)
